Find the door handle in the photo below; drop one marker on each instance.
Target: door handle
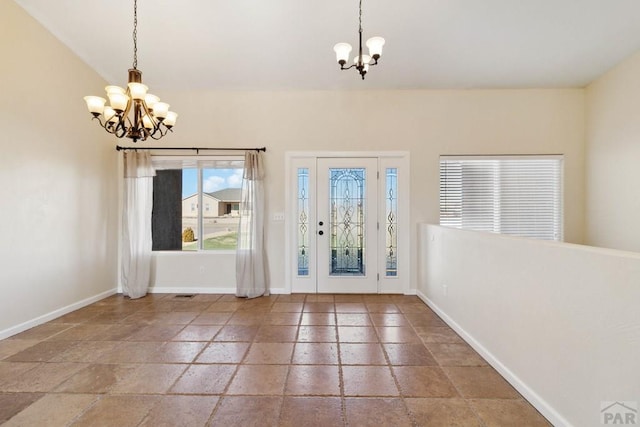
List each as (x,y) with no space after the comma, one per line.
(321,223)
(321,232)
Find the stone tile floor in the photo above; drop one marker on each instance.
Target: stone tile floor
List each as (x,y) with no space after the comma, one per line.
(287,360)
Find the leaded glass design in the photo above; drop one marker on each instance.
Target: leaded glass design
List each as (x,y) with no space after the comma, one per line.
(303,221)
(391,210)
(347,221)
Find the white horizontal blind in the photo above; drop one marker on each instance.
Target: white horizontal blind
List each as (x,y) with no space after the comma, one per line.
(517,195)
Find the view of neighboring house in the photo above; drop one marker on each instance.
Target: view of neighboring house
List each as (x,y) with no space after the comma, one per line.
(224,202)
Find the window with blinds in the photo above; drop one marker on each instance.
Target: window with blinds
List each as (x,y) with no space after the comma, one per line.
(517,195)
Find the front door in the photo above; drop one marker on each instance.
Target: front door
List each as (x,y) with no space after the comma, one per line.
(346,225)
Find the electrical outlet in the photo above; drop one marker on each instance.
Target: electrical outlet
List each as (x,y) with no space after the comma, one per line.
(445,290)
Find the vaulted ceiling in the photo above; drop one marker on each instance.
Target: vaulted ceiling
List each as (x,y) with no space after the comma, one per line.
(288,44)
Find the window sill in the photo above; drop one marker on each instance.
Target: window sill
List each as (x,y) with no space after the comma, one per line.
(193,253)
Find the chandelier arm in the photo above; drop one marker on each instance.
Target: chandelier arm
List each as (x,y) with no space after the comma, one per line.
(157,129)
(152,135)
(125,113)
(120,129)
(114,129)
(111,129)
(342,67)
(99,121)
(143,110)
(138,131)
(126,122)
(151,132)
(155,122)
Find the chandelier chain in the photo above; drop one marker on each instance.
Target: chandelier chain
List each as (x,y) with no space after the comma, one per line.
(360,16)
(135,34)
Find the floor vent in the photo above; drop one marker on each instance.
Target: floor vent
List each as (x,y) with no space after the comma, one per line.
(184,296)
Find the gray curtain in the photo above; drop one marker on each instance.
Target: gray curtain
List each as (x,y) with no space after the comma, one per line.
(251,273)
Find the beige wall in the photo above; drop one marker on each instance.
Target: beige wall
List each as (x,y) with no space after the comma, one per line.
(425,123)
(613,155)
(58,219)
(559,321)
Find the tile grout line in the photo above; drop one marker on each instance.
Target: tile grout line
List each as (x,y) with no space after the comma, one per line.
(286,377)
(393,374)
(343,400)
(221,396)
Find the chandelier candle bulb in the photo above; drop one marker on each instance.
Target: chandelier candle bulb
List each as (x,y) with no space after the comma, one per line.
(95,104)
(151,100)
(118,101)
(170,120)
(146,122)
(342,50)
(115,89)
(160,110)
(110,115)
(375,47)
(137,90)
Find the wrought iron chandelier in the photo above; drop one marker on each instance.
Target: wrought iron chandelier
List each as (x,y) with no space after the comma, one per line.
(132,112)
(360,62)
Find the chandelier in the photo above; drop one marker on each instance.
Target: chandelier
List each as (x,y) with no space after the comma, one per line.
(132,112)
(360,62)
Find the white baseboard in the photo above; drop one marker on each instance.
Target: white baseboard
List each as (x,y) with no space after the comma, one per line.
(190,290)
(198,290)
(9,332)
(535,399)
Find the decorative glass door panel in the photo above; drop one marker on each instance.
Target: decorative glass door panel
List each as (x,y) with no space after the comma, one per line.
(346,225)
(303,222)
(347,221)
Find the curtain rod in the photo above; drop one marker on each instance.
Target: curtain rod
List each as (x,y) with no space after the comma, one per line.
(197,149)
